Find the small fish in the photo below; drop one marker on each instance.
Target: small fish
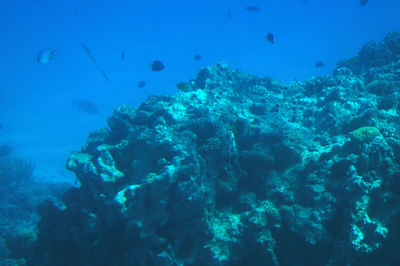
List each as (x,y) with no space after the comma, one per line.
(141,84)
(197,57)
(86,106)
(157,66)
(363,2)
(270,37)
(46,55)
(122,56)
(319,64)
(252,8)
(228,15)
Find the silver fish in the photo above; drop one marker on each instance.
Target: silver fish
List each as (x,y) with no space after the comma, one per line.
(46,55)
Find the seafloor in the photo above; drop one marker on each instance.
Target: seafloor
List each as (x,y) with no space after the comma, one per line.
(239,170)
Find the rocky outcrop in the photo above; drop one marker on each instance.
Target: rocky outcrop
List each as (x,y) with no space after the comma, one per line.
(240,170)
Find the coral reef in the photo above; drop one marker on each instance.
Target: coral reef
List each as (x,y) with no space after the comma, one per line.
(19,197)
(240,170)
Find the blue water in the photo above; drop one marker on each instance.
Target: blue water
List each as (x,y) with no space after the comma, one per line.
(37,116)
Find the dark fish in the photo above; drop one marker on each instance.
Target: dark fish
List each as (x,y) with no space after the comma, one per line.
(86,106)
(141,84)
(157,66)
(363,2)
(197,57)
(184,86)
(228,15)
(46,55)
(89,53)
(252,8)
(122,56)
(270,37)
(1,126)
(319,64)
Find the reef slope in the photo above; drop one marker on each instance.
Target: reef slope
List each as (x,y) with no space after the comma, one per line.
(240,170)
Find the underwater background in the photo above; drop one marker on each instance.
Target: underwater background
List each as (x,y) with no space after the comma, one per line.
(38,118)
(70,68)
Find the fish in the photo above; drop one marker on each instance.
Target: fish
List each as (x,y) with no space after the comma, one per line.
(122,56)
(197,57)
(157,66)
(86,106)
(270,37)
(89,53)
(363,2)
(319,64)
(46,55)
(141,84)
(252,8)
(184,86)
(228,15)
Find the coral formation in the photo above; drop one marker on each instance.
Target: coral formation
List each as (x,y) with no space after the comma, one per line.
(364,134)
(240,170)
(19,197)
(15,170)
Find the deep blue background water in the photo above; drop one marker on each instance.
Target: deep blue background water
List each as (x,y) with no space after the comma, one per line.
(36,109)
